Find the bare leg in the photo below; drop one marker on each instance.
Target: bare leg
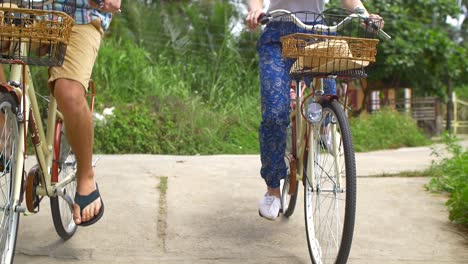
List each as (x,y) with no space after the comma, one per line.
(72,103)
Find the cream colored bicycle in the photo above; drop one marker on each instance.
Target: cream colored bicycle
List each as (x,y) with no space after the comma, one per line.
(320,151)
(30,34)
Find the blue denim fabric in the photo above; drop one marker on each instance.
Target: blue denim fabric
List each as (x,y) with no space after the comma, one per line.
(275,102)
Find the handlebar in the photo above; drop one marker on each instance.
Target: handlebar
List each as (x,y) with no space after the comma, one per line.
(358,13)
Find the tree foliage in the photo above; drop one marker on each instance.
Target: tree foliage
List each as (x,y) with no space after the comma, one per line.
(423,52)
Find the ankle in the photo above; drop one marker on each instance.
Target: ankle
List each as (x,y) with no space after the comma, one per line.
(85,175)
(85,182)
(274,192)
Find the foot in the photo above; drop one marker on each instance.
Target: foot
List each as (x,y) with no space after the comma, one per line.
(269,206)
(86,214)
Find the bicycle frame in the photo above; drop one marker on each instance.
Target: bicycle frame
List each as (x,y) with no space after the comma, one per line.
(306,136)
(30,121)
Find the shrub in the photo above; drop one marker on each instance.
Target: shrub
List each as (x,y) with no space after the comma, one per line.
(450,175)
(384,130)
(172,125)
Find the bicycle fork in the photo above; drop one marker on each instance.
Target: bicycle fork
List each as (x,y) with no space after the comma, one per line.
(314,116)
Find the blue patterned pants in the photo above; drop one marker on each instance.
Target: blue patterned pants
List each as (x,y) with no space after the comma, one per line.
(275,104)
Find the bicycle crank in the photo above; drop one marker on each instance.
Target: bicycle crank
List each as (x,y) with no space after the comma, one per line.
(32,181)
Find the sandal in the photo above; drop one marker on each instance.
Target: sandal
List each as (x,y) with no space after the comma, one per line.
(84,200)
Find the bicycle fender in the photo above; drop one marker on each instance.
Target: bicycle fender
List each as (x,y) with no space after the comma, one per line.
(328,98)
(15,91)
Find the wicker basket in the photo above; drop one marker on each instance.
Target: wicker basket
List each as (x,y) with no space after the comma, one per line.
(34,36)
(322,54)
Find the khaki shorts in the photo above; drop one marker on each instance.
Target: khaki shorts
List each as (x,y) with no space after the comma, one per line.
(81,54)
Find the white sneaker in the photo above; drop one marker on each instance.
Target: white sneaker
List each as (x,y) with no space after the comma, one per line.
(269,207)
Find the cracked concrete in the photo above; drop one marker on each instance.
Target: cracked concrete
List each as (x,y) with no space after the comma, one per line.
(211,216)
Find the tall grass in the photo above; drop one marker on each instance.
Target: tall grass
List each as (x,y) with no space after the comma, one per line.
(450,175)
(161,108)
(188,85)
(175,100)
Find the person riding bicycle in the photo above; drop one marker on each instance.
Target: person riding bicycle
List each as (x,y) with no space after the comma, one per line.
(69,84)
(275,94)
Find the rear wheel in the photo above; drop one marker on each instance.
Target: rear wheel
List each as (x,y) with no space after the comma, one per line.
(62,212)
(9,142)
(288,200)
(330,205)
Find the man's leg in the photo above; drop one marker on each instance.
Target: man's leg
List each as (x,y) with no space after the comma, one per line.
(72,103)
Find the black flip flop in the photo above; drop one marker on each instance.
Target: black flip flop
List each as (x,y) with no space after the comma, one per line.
(85,200)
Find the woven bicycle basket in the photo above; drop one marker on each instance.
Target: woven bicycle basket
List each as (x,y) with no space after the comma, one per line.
(35,34)
(343,54)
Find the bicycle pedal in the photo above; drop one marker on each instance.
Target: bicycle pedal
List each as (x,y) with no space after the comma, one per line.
(19,209)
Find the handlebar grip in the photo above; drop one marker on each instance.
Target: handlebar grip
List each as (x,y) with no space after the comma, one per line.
(359,10)
(265,19)
(381,33)
(384,34)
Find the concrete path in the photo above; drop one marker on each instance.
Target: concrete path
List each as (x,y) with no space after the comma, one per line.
(209,215)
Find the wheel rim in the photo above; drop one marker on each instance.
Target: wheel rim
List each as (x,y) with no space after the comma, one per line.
(325,205)
(66,214)
(284,187)
(285,196)
(8,217)
(62,212)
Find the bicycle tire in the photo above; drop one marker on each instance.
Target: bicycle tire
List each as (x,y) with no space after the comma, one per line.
(9,142)
(336,247)
(288,201)
(62,215)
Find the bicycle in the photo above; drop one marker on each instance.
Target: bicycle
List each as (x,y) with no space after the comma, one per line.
(30,34)
(320,151)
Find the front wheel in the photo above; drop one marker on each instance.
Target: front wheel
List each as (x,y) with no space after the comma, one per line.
(64,167)
(330,188)
(9,142)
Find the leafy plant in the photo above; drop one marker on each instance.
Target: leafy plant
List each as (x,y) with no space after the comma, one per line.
(425,51)
(450,175)
(385,129)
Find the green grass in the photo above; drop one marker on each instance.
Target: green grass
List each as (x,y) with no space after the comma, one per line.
(175,96)
(173,104)
(450,176)
(162,187)
(386,129)
(161,109)
(405,174)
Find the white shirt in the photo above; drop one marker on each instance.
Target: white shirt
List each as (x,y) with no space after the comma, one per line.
(316,6)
